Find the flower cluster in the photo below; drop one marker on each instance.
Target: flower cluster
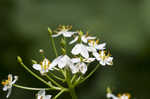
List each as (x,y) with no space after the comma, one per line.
(72,66)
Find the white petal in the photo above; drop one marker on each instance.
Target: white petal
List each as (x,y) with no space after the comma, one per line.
(83,68)
(109,60)
(55,61)
(96,55)
(84,52)
(39,97)
(5,88)
(84,39)
(9,92)
(51,67)
(15,79)
(88,60)
(66,58)
(10,77)
(56,35)
(76,60)
(47,97)
(61,64)
(109,95)
(91,38)
(37,66)
(76,49)
(91,49)
(100,46)
(74,69)
(68,34)
(102,62)
(42,72)
(41,93)
(74,40)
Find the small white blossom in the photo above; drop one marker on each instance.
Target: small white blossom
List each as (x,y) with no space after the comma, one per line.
(41,95)
(103,58)
(44,66)
(93,46)
(84,38)
(64,30)
(80,49)
(62,61)
(123,96)
(8,84)
(80,66)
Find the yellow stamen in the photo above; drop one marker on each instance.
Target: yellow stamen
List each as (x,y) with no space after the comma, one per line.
(97,41)
(6,82)
(108,55)
(127,94)
(103,56)
(119,95)
(63,27)
(44,65)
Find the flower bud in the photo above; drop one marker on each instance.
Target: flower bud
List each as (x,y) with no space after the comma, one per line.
(63,51)
(34,62)
(41,51)
(19,59)
(50,31)
(63,43)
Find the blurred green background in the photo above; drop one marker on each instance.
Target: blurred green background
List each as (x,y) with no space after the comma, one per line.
(123,24)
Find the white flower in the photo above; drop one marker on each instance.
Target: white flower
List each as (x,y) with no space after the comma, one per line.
(94,46)
(110,95)
(80,49)
(84,38)
(80,66)
(41,95)
(8,84)
(62,61)
(103,58)
(43,67)
(64,30)
(123,96)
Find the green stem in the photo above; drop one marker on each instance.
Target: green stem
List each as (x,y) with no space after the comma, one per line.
(30,88)
(73,78)
(56,77)
(54,81)
(52,41)
(90,74)
(35,75)
(72,93)
(71,87)
(59,94)
(65,45)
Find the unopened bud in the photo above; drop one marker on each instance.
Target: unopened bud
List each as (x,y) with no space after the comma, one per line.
(63,43)
(50,31)
(34,62)
(63,51)
(108,90)
(41,51)
(19,59)
(80,33)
